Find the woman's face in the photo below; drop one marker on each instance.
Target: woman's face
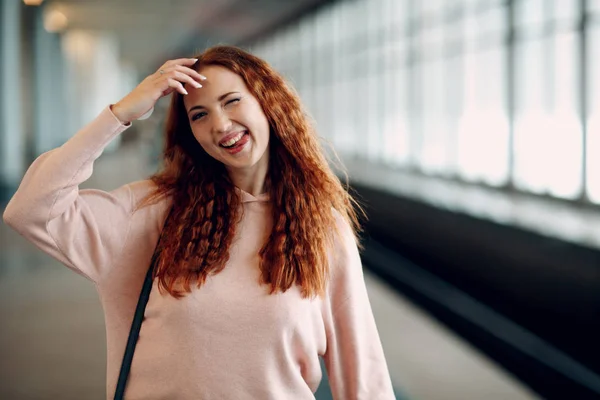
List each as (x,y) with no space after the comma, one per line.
(227,120)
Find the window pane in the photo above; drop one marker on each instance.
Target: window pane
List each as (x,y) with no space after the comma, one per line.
(346,16)
(345,139)
(431,41)
(565,122)
(483,126)
(396,139)
(593,5)
(548,145)
(368,107)
(359,107)
(372,16)
(492,20)
(530,12)
(453,93)
(565,10)
(429,7)
(434,155)
(399,138)
(415,110)
(593,122)
(531,82)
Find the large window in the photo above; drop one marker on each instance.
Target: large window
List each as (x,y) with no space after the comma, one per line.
(483,132)
(486,91)
(548,132)
(593,112)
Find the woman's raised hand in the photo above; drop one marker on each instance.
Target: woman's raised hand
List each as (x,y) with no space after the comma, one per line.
(170,77)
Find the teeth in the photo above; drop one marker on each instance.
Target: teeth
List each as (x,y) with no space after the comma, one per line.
(233,140)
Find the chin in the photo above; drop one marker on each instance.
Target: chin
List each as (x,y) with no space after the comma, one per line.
(241,164)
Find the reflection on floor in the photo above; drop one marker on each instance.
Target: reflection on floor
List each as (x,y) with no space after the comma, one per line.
(52,336)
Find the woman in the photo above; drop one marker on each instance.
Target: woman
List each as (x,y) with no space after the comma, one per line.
(257,271)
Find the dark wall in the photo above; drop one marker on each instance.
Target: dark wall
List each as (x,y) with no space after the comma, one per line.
(549,287)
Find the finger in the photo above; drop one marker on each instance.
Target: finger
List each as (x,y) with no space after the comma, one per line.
(183,78)
(177,86)
(190,72)
(179,61)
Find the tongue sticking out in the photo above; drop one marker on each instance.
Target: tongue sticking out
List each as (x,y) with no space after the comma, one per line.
(237,143)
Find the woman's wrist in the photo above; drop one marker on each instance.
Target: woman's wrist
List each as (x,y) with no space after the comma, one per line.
(114,108)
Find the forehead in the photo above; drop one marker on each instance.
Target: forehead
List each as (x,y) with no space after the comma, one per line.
(220,80)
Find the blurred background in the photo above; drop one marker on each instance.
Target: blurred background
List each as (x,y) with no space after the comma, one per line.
(470,130)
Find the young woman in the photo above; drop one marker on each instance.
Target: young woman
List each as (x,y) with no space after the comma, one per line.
(257,272)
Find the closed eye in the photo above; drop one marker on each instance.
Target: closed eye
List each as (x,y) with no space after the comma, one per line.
(202,114)
(198,116)
(237,99)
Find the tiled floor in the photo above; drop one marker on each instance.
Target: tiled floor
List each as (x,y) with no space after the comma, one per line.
(52,340)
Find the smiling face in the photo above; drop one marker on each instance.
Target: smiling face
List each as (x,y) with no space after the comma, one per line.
(227,120)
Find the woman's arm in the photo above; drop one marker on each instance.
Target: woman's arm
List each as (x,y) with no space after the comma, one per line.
(82,229)
(354,358)
(87,229)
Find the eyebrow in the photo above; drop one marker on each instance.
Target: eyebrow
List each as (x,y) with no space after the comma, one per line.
(221,97)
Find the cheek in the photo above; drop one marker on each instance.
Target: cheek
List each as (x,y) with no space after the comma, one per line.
(267,134)
(202,139)
(257,117)
(262,123)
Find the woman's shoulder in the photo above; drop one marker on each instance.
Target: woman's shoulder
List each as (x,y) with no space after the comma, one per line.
(344,232)
(148,211)
(142,194)
(344,248)
(142,188)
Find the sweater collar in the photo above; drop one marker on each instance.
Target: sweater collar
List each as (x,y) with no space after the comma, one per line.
(248,198)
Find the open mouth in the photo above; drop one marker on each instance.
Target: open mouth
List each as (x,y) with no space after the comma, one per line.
(235,141)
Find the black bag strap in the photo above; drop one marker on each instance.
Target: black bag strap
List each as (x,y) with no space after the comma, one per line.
(134,332)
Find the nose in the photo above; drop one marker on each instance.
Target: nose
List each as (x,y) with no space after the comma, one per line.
(221,122)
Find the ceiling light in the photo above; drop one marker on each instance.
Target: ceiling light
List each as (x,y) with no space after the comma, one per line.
(55,21)
(32,2)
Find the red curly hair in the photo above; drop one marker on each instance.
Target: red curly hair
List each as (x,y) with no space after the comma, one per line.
(304,192)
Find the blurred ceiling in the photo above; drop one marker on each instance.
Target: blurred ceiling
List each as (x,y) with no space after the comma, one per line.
(151,31)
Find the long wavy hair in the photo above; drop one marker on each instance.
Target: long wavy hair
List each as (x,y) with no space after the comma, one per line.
(303,192)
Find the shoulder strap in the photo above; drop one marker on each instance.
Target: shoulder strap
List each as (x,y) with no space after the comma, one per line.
(134,332)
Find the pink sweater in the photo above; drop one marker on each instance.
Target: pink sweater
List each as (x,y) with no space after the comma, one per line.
(229,339)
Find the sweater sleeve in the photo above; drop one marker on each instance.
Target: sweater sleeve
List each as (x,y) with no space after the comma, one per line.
(83,229)
(354,357)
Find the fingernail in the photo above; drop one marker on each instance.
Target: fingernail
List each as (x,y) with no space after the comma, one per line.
(197,85)
(203,77)
(185,91)
(195,60)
